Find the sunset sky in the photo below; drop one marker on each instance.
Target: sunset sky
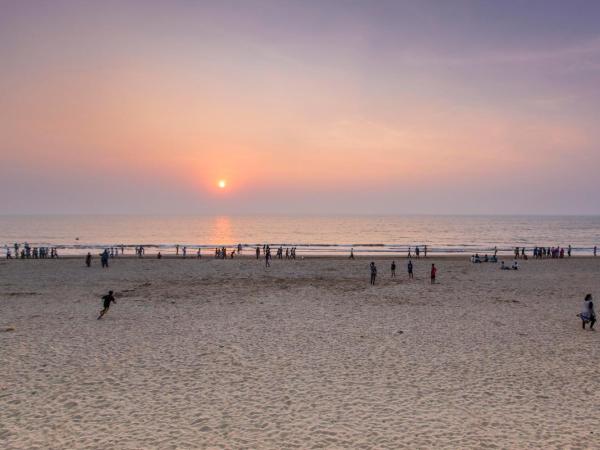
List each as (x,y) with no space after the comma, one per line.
(300,107)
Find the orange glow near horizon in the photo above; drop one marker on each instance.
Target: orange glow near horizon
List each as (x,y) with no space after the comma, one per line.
(222,184)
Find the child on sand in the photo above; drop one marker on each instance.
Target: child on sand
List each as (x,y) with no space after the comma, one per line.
(587,313)
(107,300)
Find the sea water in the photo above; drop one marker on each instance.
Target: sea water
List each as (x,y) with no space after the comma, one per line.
(312,235)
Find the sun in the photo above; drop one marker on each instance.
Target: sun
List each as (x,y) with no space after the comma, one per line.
(222,184)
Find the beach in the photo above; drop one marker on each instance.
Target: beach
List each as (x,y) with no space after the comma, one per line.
(305,354)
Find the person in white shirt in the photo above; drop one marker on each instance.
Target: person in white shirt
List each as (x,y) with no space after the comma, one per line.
(587,312)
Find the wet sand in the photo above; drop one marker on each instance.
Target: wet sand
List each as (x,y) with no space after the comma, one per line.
(226,354)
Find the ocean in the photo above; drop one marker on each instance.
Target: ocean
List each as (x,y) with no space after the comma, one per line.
(312,235)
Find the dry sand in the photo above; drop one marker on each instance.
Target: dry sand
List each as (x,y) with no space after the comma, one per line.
(226,354)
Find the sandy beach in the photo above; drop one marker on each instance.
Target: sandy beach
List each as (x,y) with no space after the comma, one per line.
(306,354)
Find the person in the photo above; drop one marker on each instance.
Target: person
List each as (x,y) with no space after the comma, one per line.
(373,272)
(393,269)
(587,312)
(267,257)
(107,300)
(569,251)
(176,249)
(257,252)
(515,265)
(199,253)
(8,255)
(425,251)
(409,255)
(239,249)
(496,250)
(417,252)
(410,269)
(352,253)
(88,259)
(595,250)
(104,259)
(159,255)
(433,273)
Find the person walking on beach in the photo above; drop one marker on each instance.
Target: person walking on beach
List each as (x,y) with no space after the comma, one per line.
(433,273)
(425,251)
(88,259)
(107,300)
(267,257)
(257,252)
(352,253)
(104,259)
(409,255)
(373,273)
(410,269)
(417,252)
(393,269)
(587,313)
(569,251)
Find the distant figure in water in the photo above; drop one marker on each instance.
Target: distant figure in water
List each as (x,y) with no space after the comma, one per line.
(159,255)
(425,251)
(257,252)
(417,252)
(88,259)
(198,253)
(239,249)
(569,251)
(393,269)
(107,300)
(433,273)
(587,313)
(373,273)
(352,253)
(410,269)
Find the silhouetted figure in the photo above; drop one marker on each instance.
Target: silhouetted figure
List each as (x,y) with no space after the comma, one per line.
(393,268)
(257,252)
(410,269)
(88,259)
(352,253)
(373,273)
(159,255)
(433,273)
(104,259)
(107,300)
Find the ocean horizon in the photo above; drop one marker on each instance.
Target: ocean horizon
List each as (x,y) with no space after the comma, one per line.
(313,234)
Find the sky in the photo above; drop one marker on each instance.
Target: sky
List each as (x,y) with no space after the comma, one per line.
(308,107)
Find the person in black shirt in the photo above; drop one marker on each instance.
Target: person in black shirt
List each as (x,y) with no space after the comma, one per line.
(107,300)
(410,269)
(393,269)
(373,273)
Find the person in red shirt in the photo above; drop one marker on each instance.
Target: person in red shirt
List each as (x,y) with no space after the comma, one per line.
(433,272)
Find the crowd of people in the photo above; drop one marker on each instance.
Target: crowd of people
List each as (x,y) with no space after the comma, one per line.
(26,251)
